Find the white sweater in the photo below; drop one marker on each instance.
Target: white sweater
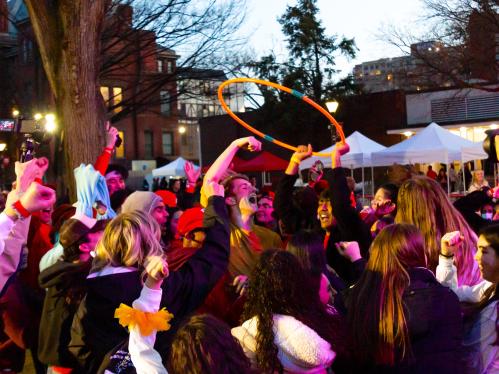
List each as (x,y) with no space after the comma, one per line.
(481,356)
(300,349)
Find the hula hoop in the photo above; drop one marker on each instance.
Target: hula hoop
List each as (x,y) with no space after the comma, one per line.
(295,93)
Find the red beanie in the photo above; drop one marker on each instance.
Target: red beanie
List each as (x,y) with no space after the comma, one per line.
(168,197)
(190,220)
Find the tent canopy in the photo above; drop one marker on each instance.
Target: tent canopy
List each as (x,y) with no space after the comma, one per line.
(361,148)
(432,144)
(264,161)
(174,169)
(234,165)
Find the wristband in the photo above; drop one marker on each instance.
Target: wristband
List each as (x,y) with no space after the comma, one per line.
(446,256)
(39,181)
(18,207)
(108,149)
(296,160)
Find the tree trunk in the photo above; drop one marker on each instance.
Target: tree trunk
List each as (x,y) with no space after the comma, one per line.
(68,33)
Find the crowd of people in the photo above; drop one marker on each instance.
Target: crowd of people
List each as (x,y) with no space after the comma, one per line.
(214,277)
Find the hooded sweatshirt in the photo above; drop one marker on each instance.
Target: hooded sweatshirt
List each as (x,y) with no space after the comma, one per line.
(300,349)
(141,200)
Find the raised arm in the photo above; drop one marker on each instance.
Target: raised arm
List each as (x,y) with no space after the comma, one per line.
(102,161)
(287,212)
(28,197)
(222,163)
(186,288)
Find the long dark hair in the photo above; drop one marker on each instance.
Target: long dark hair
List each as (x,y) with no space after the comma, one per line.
(308,247)
(205,345)
(279,285)
(491,235)
(376,319)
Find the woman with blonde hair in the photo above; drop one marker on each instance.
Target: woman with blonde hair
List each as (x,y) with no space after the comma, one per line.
(424,204)
(478,181)
(400,319)
(129,243)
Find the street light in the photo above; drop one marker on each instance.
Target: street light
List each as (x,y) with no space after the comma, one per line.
(182,130)
(15,113)
(38,116)
(332,106)
(3,146)
(50,125)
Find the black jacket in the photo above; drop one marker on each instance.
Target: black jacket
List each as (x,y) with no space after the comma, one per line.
(468,206)
(349,227)
(434,323)
(95,331)
(64,282)
(296,209)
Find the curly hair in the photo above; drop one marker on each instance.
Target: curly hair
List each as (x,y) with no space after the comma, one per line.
(279,285)
(205,345)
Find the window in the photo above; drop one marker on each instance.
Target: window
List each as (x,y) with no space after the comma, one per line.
(104,91)
(113,96)
(160,66)
(169,67)
(164,97)
(183,111)
(120,151)
(167,138)
(148,146)
(117,99)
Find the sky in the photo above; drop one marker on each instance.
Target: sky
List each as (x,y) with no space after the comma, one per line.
(359,19)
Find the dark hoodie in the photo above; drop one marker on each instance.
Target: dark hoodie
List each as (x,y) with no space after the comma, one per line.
(65,284)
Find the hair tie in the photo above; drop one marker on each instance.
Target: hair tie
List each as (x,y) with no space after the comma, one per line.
(146,321)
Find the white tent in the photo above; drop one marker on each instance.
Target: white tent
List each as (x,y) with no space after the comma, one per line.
(432,144)
(359,156)
(173,169)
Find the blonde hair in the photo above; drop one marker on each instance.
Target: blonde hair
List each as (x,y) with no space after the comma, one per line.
(423,203)
(127,241)
(474,179)
(379,294)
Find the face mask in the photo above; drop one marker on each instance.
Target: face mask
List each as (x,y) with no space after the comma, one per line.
(487,215)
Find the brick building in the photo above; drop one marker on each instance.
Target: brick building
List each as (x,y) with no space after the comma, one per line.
(137,83)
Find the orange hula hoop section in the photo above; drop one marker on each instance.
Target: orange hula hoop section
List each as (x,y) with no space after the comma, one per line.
(295,93)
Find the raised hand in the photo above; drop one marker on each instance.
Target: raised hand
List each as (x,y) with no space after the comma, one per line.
(302,153)
(384,208)
(249,143)
(349,250)
(191,173)
(241,284)
(156,268)
(27,172)
(37,198)
(111,134)
(450,243)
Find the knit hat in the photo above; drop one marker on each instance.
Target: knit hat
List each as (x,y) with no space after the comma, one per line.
(190,220)
(169,198)
(144,201)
